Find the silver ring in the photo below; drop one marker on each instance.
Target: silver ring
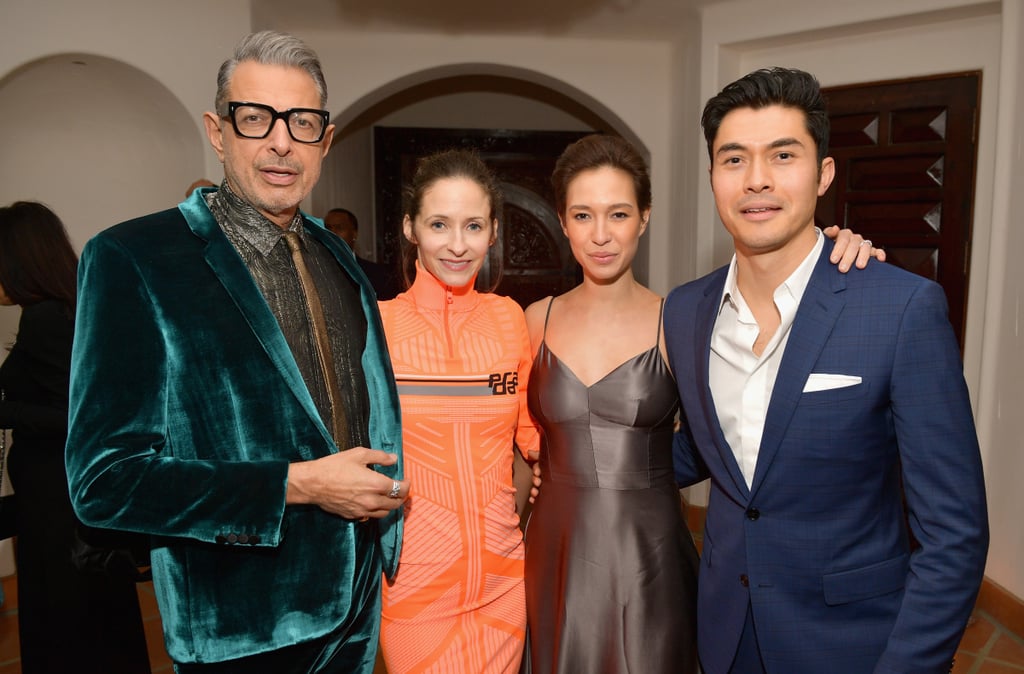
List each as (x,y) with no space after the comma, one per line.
(866,242)
(395,488)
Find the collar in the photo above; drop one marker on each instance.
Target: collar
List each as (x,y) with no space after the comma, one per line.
(429,293)
(240,217)
(794,286)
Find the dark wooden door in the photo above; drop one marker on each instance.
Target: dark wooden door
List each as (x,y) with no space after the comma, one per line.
(905,153)
(533,254)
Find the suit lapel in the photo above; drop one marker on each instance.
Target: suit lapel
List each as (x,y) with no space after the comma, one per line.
(819,309)
(237,281)
(226,264)
(707,313)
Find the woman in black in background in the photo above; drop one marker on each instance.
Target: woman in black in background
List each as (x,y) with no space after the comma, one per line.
(68,620)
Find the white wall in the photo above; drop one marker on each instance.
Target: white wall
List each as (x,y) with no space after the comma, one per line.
(97,140)
(1001,395)
(877,40)
(120,135)
(180,44)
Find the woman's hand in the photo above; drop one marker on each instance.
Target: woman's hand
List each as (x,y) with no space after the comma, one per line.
(535,464)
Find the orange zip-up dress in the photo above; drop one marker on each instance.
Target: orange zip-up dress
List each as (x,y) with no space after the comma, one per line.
(462,361)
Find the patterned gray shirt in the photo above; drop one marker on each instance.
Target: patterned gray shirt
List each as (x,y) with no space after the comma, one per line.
(260,244)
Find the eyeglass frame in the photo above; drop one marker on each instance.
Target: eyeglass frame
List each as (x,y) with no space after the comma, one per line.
(274,116)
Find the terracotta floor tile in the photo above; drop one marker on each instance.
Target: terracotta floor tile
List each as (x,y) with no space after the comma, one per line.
(147,600)
(993,667)
(10,584)
(978,634)
(155,643)
(9,649)
(1008,649)
(963,663)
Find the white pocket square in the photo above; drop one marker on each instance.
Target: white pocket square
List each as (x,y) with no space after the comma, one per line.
(826,382)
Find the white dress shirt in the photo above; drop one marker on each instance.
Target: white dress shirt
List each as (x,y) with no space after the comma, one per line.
(741,383)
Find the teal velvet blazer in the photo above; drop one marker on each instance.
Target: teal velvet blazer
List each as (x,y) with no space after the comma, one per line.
(186,408)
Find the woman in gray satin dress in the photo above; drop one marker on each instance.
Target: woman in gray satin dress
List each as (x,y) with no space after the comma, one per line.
(610,566)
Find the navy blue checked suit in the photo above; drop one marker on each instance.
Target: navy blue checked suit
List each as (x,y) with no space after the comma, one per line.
(818,547)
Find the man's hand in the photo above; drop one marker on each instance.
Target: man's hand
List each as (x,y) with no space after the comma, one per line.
(345,485)
(851,249)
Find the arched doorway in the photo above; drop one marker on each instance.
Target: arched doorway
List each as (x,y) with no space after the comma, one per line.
(96,139)
(464,101)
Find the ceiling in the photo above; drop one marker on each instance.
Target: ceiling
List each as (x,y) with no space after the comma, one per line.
(618,19)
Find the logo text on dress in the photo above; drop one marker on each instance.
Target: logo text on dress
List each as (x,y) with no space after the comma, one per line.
(503,383)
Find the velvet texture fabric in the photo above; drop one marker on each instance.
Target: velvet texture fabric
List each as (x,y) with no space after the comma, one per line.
(186,409)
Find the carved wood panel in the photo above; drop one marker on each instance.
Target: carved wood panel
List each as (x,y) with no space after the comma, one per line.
(905,156)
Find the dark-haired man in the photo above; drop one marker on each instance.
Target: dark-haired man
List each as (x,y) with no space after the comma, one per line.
(344,223)
(815,400)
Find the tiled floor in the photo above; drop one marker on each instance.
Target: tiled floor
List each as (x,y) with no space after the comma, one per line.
(987,646)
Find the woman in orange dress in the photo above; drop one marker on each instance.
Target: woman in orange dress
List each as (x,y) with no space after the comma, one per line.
(461,359)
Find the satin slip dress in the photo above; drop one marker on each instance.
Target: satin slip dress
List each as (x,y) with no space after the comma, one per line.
(610,571)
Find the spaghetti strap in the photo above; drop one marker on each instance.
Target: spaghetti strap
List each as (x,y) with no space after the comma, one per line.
(661,316)
(612,461)
(547,315)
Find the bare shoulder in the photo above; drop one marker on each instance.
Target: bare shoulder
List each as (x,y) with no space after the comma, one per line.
(536,313)
(538,308)
(649,294)
(645,302)
(653,306)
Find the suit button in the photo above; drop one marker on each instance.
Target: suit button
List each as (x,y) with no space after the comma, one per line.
(221,539)
(744,581)
(753,514)
(253,540)
(232,538)
(243,539)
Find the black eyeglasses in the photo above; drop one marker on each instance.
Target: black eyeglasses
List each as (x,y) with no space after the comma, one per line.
(255,120)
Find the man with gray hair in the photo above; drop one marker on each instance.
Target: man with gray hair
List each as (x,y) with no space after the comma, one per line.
(229,376)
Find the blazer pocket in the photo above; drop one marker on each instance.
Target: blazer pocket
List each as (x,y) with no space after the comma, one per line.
(833,396)
(866,582)
(821,381)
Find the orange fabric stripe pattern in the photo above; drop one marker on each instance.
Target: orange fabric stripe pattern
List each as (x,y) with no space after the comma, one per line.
(461,361)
